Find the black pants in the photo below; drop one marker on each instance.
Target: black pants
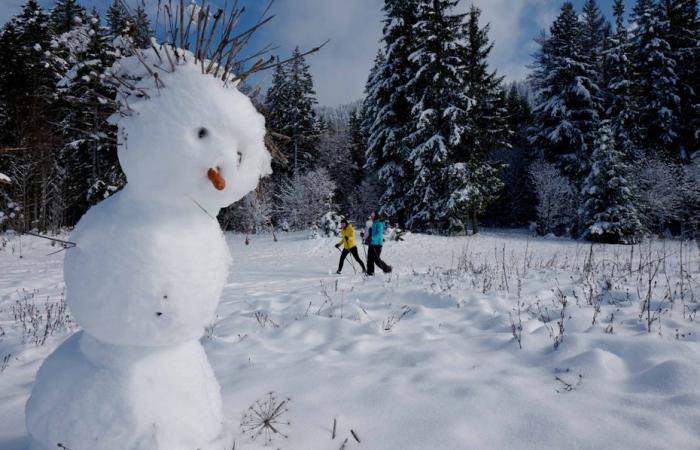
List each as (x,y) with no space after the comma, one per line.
(354,254)
(373,257)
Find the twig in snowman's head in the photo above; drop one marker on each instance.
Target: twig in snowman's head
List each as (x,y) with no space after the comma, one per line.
(210,35)
(207,33)
(193,35)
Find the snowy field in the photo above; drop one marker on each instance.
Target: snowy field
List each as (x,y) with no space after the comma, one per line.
(426,358)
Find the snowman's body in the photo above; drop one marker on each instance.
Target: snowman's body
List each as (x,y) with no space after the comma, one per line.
(168,292)
(146,275)
(115,397)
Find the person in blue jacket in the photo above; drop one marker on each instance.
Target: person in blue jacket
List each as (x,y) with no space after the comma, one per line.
(376,241)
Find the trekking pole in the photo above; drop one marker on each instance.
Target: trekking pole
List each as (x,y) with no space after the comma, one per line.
(348,260)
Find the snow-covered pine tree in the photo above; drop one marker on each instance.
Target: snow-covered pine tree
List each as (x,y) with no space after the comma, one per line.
(516,203)
(276,108)
(369,110)
(66,15)
(11,79)
(290,112)
(441,190)
(117,18)
(594,33)
(655,82)
(302,124)
(684,38)
(486,128)
(140,30)
(609,212)
(387,109)
(357,145)
(89,156)
(620,104)
(568,100)
(28,93)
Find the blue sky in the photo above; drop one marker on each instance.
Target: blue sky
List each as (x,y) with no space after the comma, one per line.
(354,27)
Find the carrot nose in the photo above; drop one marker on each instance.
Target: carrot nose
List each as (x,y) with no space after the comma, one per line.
(216,179)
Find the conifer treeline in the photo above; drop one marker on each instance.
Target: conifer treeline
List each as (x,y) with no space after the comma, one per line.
(600,142)
(613,109)
(55,143)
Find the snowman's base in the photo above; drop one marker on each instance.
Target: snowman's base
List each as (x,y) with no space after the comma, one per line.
(90,396)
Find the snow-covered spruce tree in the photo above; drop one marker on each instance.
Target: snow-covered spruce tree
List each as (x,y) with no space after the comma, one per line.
(568,100)
(66,15)
(275,109)
(140,30)
(439,120)
(487,128)
(594,33)
(620,101)
(609,212)
(516,203)
(387,109)
(290,112)
(89,155)
(655,82)
(117,18)
(28,93)
(684,38)
(301,125)
(357,144)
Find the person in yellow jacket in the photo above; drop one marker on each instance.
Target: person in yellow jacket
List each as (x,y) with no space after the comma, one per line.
(347,240)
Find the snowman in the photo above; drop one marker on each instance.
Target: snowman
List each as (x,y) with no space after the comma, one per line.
(150,263)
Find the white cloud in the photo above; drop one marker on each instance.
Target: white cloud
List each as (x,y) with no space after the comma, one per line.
(354,28)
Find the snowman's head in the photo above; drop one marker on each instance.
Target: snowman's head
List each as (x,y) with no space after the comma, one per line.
(185,135)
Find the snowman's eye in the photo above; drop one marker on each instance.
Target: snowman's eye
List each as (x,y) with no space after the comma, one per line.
(240,157)
(202,133)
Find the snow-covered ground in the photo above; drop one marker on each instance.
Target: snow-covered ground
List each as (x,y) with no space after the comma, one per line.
(424,358)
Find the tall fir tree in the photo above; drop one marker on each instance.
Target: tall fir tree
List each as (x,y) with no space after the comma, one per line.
(30,99)
(683,37)
(66,15)
(140,29)
(608,202)
(620,102)
(89,156)
(276,102)
(594,32)
(370,108)
(439,119)
(655,82)
(290,104)
(357,145)
(387,109)
(117,18)
(568,99)
(486,127)
(516,204)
